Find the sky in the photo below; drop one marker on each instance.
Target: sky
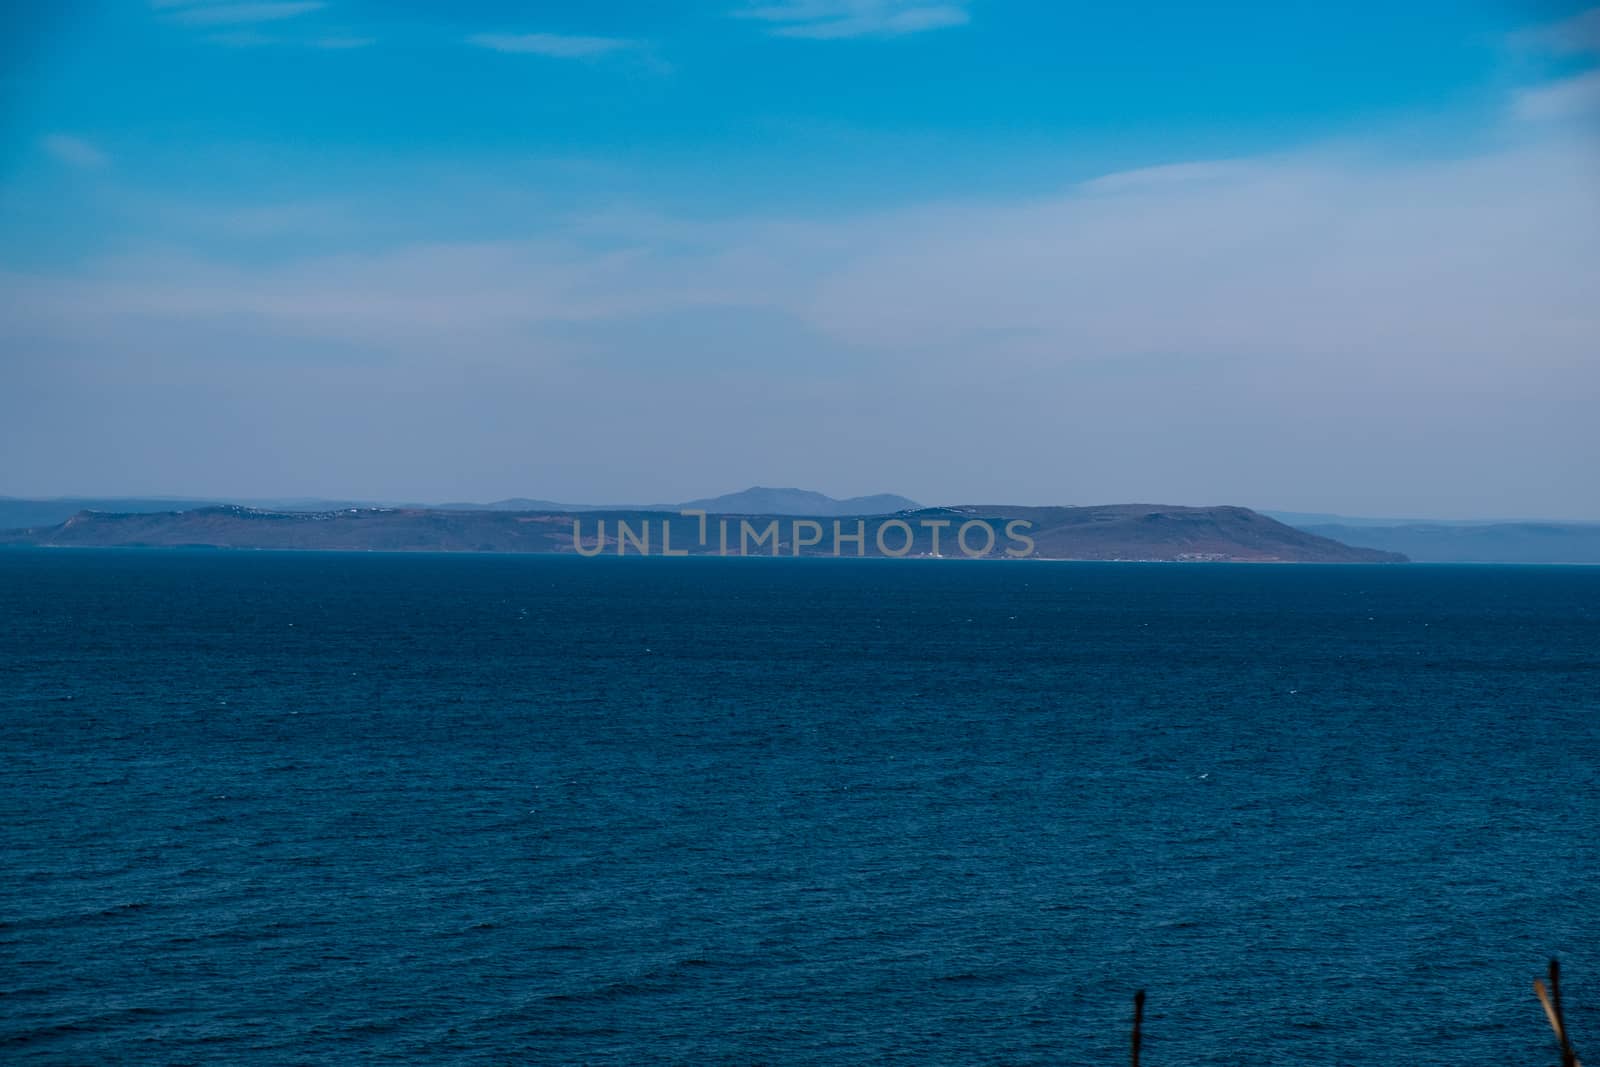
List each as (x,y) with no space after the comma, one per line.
(1290,255)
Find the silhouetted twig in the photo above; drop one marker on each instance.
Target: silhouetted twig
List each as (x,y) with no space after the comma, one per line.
(1138,1024)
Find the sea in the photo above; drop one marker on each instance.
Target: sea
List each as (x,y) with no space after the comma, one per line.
(324,808)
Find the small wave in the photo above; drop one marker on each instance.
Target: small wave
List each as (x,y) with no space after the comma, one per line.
(92,1024)
(121,909)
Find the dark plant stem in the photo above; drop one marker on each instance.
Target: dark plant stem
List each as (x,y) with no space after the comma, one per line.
(1138,1024)
(1569,1058)
(1550,1000)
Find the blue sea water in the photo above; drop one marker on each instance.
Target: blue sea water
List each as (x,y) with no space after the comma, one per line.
(325,808)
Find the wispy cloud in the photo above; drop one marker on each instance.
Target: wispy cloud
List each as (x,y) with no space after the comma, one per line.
(343,43)
(234,23)
(555,45)
(1578,34)
(840,19)
(241,39)
(74,151)
(248,38)
(1167,176)
(1574,95)
(231,13)
(1569,98)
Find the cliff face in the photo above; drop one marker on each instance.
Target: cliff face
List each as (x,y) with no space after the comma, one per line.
(1114,532)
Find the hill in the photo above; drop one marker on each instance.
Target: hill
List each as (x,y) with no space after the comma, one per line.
(1160,532)
(758,500)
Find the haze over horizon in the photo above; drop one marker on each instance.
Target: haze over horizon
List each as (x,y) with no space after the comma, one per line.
(1319,260)
(98,501)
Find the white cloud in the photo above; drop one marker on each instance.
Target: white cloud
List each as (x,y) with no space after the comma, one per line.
(840,19)
(229,12)
(1574,97)
(74,151)
(556,45)
(1462,268)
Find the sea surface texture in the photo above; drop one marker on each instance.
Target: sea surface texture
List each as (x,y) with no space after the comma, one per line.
(322,808)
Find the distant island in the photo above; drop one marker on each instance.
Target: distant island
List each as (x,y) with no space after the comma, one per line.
(29,521)
(766,526)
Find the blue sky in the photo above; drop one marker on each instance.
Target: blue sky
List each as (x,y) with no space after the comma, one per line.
(1293,255)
